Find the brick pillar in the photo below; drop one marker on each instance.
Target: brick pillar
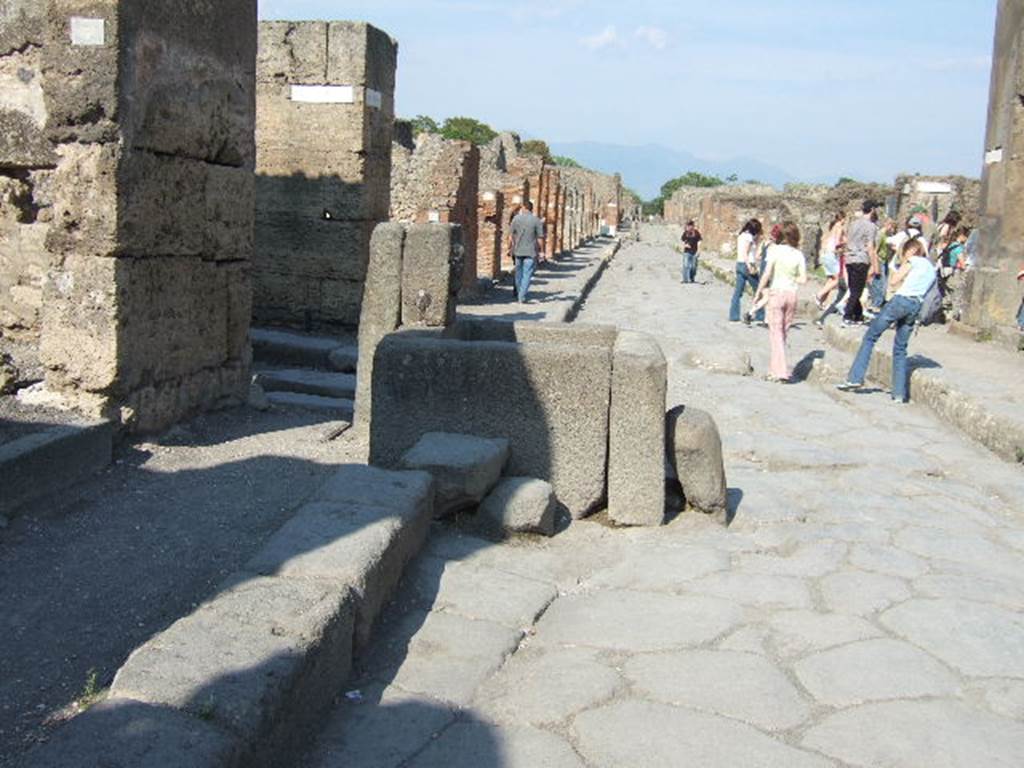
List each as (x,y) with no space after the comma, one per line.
(995,293)
(490,213)
(325,117)
(151,108)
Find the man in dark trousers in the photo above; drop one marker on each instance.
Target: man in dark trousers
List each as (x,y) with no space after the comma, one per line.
(691,243)
(861,261)
(527,241)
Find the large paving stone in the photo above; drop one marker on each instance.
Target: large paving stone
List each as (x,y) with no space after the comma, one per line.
(873,670)
(260,652)
(465,468)
(755,589)
(752,638)
(660,568)
(962,548)
(807,560)
(519,505)
(636,431)
(908,734)
(862,593)
(542,685)
(796,633)
(630,734)
(1005,697)
(694,449)
(474,744)
(360,484)
(481,593)
(383,730)
(742,686)
(122,733)
(976,638)
(970,586)
(637,621)
(888,560)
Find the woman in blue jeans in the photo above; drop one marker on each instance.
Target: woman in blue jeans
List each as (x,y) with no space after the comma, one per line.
(911,282)
(747,255)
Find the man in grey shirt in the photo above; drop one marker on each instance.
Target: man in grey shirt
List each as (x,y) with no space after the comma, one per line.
(527,242)
(861,261)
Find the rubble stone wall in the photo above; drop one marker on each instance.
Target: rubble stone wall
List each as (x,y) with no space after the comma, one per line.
(325,117)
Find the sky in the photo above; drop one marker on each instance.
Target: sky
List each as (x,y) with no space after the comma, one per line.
(819,88)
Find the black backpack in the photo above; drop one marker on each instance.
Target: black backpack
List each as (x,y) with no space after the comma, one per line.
(931,304)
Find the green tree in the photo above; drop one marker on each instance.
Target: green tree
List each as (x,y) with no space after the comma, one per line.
(846,180)
(732,178)
(565,162)
(538,148)
(424,124)
(467,129)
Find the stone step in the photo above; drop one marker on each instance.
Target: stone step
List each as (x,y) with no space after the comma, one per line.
(277,347)
(338,407)
(308,382)
(245,677)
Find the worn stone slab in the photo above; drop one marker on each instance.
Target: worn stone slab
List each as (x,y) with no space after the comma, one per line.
(336,406)
(640,733)
(381,310)
(860,593)
(943,734)
(480,593)
(1005,697)
(545,685)
(636,621)
(797,633)
(255,660)
(464,467)
(550,401)
(694,450)
(474,744)
(873,670)
(323,383)
(431,274)
(636,431)
(743,686)
(519,505)
(887,560)
(279,347)
(756,589)
(661,568)
(123,732)
(809,560)
(978,639)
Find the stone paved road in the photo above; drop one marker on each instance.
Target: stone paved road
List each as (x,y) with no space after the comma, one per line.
(865,607)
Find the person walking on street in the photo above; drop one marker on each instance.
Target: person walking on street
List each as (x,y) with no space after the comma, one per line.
(785,270)
(747,253)
(911,282)
(527,236)
(861,262)
(691,243)
(831,246)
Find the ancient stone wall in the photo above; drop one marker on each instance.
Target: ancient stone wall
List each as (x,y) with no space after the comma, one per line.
(937,196)
(26,163)
(490,214)
(995,293)
(438,182)
(325,114)
(151,107)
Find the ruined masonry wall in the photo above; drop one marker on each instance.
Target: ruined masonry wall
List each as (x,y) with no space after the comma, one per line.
(151,107)
(324,122)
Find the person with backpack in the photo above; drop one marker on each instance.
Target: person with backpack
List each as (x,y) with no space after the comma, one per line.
(916,300)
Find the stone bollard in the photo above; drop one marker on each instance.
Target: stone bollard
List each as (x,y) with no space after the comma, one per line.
(694,449)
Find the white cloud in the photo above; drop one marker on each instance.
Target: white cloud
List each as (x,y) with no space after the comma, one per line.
(607,36)
(656,37)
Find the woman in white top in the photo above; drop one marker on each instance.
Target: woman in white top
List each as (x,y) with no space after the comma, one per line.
(746,265)
(785,271)
(912,281)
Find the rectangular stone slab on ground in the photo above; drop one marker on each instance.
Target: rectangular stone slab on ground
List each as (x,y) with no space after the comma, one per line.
(550,400)
(464,467)
(636,431)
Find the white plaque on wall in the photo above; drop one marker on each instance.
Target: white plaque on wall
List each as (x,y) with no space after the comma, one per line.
(324,94)
(994,156)
(934,188)
(88,31)
(373,98)
(434,217)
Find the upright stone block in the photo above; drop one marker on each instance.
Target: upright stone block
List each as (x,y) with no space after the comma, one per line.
(694,448)
(325,115)
(152,110)
(431,274)
(636,431)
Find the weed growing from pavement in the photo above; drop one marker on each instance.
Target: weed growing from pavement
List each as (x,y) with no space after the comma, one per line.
(207,709)
(91,691)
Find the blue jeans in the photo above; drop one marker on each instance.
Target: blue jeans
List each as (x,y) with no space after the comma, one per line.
(689,267)
(901,311)
(876,291)
(1020,317)
(524,274)
(743,278)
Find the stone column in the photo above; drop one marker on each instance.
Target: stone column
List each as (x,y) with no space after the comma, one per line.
(151,109)
(995,294)
(325,117)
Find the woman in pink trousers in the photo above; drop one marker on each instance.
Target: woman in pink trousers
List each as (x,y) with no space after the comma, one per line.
(785,270)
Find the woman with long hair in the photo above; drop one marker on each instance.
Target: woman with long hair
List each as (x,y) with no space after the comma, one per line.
(784,272)
(746,265)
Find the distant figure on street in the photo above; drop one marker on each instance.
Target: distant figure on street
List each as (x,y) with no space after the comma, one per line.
(691,241)
(861,262)
(527,244)
(785,270)
(911,282)
(747,253)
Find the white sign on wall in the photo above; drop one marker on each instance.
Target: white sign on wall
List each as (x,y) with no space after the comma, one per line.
(994,156)
(373,98)
(323,94)
(88,31)
(434,217)
(934,188)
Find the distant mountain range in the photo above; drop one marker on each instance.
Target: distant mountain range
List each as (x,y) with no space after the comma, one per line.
(644,169)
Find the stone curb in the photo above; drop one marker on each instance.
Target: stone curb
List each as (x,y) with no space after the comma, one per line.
(246,677)
(51,460)
(1001,434)
(569,313)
